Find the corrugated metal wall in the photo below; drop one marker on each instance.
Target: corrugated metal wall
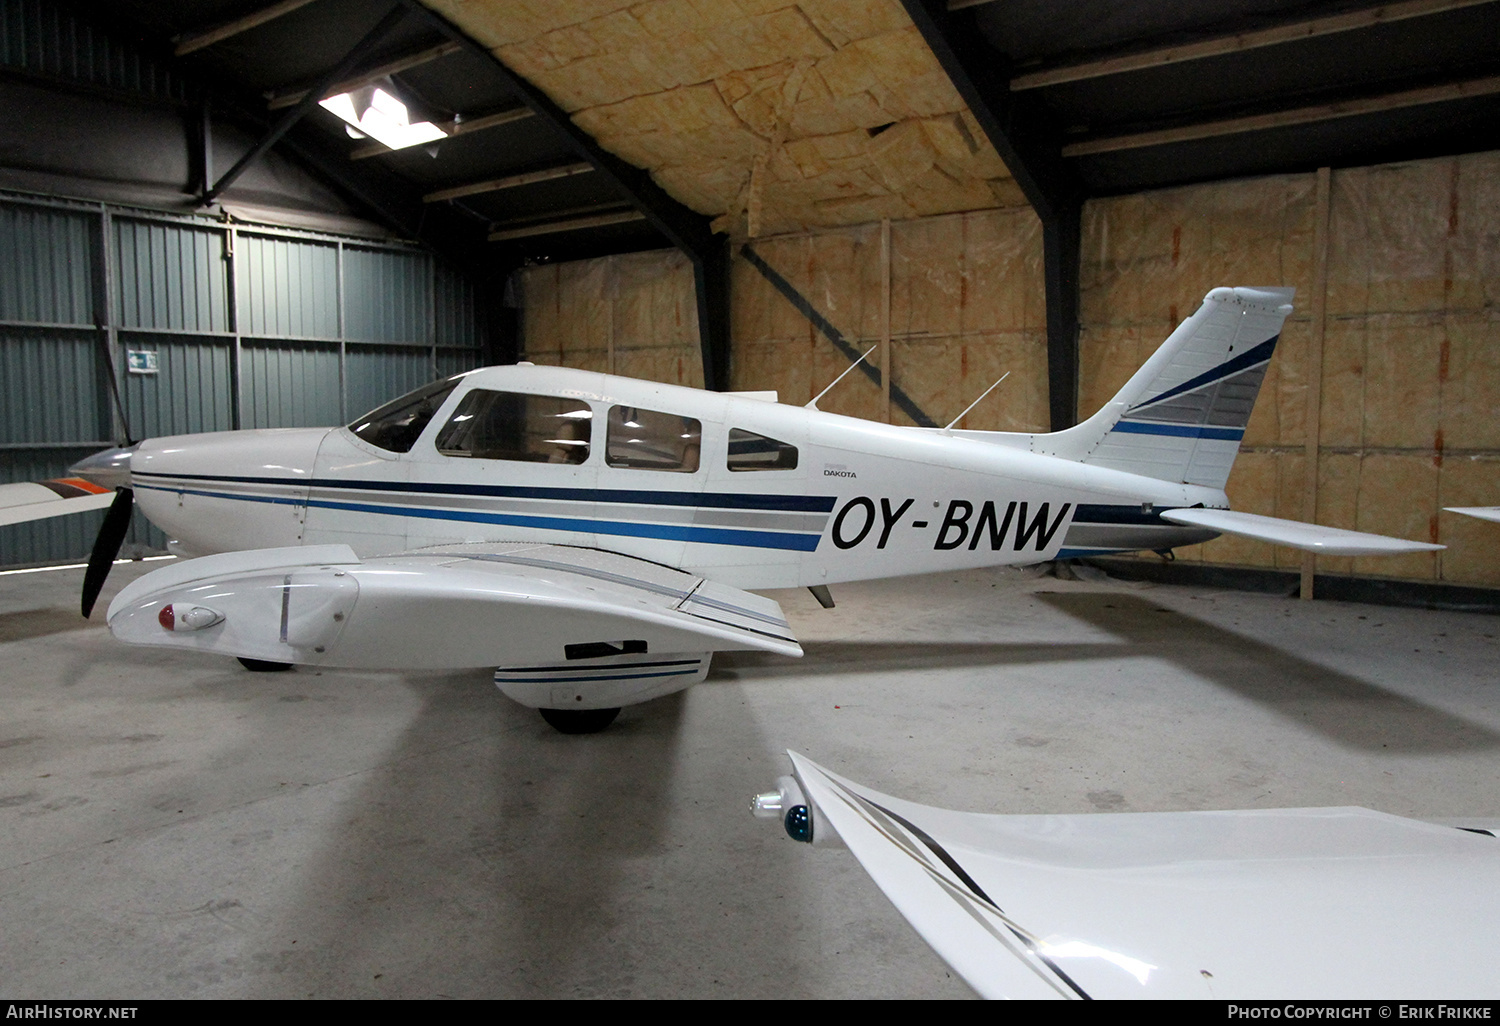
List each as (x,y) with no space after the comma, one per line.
(251,326)
(43,38)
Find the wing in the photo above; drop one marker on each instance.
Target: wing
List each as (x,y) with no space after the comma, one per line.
(1482,512)
(38,500)
(443,608)
(1328,541)
(1285,904)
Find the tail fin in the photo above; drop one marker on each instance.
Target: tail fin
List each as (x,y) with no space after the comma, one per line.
(1181,416)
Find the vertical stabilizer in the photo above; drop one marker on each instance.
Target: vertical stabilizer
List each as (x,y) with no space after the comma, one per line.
(1181,416)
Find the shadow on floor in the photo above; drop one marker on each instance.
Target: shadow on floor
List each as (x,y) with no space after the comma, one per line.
(1345,708)
(38,623)
(490,856)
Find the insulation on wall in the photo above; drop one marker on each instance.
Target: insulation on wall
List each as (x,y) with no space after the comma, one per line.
(635,314)
(965,307)
(1411,348)
(1411,351)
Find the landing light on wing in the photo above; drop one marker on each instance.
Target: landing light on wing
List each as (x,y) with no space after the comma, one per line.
(173,617)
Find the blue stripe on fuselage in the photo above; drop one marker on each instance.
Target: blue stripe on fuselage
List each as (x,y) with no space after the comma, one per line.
(669,532)
(631,496)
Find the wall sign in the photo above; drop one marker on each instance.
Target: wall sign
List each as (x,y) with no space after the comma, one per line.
(141,361)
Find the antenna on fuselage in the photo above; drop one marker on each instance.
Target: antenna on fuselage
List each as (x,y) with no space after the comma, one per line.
(975,403)
(813,403)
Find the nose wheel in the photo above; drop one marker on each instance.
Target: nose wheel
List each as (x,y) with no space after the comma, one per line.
(579,721)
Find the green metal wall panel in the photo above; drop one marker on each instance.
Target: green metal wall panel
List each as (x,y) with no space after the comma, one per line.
(46,265)
(191,391)
(376,374)
(287,287)
(170,276)
(456,361)
(169,290)
(54,390)
(455,309)
(288,384)
(388,296)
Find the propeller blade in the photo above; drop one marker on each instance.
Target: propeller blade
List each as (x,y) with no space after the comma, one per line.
(107,547)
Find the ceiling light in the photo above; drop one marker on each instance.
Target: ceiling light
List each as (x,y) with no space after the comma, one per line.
(382,117)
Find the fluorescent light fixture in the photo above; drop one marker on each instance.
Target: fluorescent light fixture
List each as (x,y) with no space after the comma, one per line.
(384,118)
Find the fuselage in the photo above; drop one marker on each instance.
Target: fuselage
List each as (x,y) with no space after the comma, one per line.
(752,493)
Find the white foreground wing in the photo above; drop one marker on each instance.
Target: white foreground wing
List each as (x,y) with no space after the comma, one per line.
(38,500)
(446,608)
(1327,541)
(1482,512)
(1281,903)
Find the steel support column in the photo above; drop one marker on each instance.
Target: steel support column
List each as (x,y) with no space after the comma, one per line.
(1032,151)
(1061,243)
(711,282)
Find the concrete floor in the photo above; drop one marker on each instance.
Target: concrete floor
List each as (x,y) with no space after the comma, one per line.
(176,827)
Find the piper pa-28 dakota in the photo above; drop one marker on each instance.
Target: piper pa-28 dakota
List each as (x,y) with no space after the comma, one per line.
(598,538)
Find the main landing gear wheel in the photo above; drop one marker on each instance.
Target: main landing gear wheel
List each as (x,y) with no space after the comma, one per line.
(579,721)
(263,665)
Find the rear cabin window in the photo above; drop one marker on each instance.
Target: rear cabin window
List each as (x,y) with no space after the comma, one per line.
(397,425)
(515,426)
(648,440)
(750,451)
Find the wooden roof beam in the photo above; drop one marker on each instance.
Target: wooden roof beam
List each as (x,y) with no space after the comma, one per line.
(188,42)
(364,78)
(1235,43)
(464,127)
(510,182)
(571,225)
(1284,118)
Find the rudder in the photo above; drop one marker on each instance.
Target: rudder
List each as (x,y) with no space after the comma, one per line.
(1181,416)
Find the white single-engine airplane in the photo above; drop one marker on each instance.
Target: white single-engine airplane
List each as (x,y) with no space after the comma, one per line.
(595,536)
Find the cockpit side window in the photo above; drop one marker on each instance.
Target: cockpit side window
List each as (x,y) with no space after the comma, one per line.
(516,426)
(648,440)
(750,451)
(397,425)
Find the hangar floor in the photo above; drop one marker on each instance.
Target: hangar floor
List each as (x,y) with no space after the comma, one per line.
(175,827)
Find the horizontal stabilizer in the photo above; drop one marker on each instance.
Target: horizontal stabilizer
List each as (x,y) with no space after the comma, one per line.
(39,500)
(1326,541)
(445,608)
(1482,512)
(1338,903)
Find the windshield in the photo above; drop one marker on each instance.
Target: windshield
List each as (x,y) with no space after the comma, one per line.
(397,425)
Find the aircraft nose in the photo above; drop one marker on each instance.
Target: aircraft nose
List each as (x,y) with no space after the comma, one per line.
(110,468)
